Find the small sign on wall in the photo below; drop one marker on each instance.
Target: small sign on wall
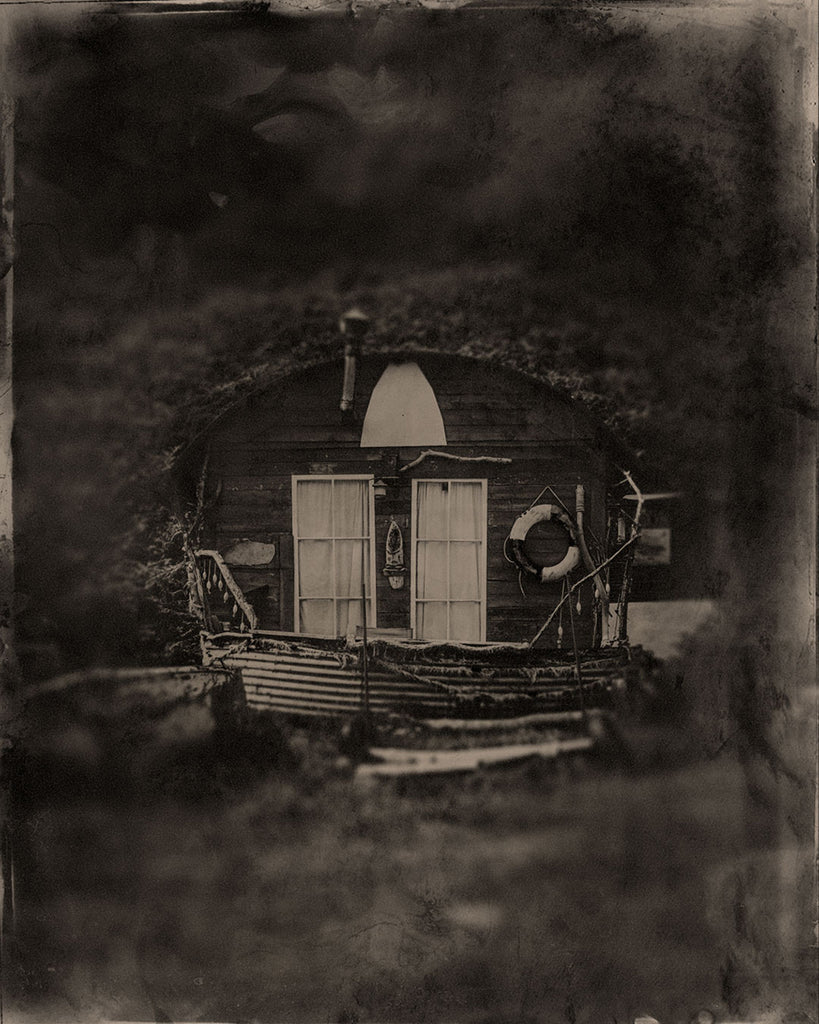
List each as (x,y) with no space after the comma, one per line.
(653,547)
(251,553)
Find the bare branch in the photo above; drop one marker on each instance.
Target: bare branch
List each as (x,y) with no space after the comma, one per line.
(455,458)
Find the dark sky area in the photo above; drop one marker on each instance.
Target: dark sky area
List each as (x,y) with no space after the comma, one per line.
(612,199)
(294,145)
(291,146)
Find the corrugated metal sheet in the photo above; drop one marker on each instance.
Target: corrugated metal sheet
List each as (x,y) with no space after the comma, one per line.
(298,679)
(291,682)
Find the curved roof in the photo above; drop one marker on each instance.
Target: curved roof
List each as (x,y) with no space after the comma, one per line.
(230,397)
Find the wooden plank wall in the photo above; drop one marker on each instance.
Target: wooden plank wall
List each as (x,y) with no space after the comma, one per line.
(298,429)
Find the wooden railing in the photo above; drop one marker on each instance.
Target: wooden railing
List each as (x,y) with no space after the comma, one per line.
(224,606)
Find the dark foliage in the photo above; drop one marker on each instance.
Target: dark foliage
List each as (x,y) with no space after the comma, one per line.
(194,212)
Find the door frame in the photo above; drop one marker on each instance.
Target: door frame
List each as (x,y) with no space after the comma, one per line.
(414,550)
(295,479)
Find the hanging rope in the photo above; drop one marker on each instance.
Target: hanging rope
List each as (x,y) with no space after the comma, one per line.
(537,499)
(579,583)
(511,561)
(563,586)
(558,500)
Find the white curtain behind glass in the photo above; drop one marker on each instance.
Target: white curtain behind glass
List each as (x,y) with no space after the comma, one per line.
(331,521)
(449,586)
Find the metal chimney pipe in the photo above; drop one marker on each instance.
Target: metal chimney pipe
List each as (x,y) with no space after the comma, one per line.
(354,324)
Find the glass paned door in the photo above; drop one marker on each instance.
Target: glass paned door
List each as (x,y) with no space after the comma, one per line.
(449,574)
(334,556)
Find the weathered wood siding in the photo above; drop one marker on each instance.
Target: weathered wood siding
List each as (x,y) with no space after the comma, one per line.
(297,428)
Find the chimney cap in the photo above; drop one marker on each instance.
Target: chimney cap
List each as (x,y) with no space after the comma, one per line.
(354,321)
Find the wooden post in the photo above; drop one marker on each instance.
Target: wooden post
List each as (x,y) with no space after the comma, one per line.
(622,633)
(577,659)
(365,668)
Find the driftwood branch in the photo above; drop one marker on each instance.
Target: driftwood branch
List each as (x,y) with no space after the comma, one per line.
(428,453)
(635,532)
(638,494)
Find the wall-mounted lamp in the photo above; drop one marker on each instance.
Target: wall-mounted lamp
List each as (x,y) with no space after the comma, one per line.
(385,485)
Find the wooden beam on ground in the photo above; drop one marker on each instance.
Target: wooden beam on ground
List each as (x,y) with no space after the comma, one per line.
(490,724)
(433,762)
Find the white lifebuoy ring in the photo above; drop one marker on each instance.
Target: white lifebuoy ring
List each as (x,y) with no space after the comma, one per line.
(517,536)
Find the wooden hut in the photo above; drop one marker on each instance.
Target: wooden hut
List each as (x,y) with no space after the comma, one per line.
(404,531)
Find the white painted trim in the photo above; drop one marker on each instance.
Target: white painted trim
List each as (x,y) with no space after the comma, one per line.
(294,481)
